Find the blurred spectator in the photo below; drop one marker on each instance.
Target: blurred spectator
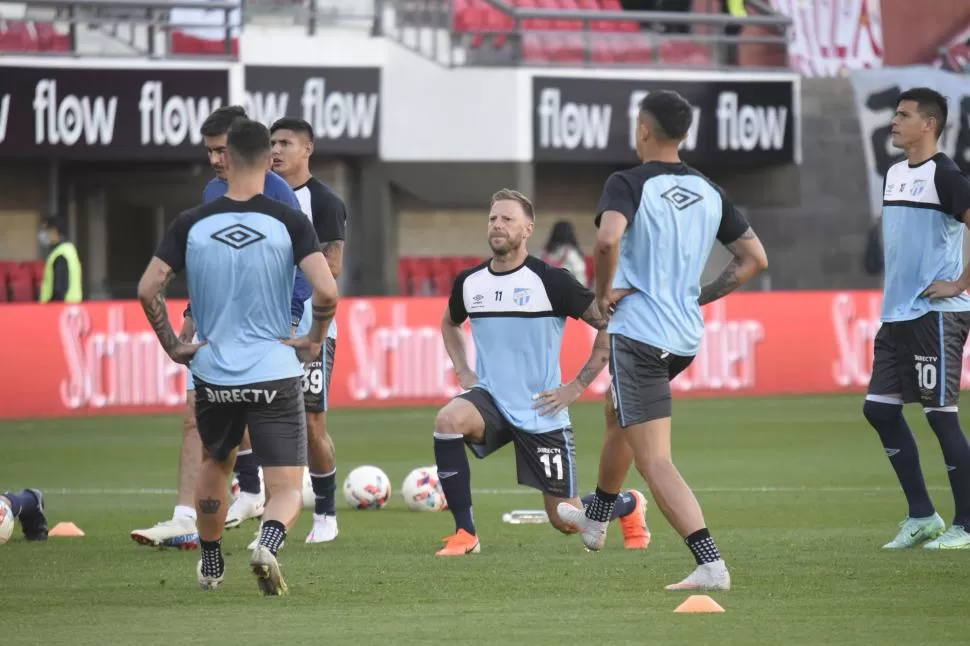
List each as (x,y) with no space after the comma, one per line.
(661,5)
(562,250)
(62,271)
(734,8)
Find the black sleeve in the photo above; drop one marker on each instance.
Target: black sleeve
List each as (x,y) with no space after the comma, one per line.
(618,195)
(567,295)
(172,248)
(733,224)
(302,234)
(953,188)
(329,217)
(456,302)
(60,279)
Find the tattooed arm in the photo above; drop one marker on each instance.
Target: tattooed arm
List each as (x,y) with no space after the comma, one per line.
(151,290)
(334,253)
(749,259)
(551,401)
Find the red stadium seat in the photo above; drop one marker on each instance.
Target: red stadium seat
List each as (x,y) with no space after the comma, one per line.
(21,281)
(4,283)
(442,274)
(625,25)
(36,271)
(49,40)
(684,53)
(185,44)
(16,36)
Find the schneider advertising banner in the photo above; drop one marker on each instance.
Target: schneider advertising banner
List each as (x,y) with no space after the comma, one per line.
(736,122)
(102,357)
(107,114)
(876,92)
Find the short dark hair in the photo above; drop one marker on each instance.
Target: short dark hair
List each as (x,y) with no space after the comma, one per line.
(670,111)
(54,222)
(930,103)
(292,123)
(514,196)
(219,122)
(247,143)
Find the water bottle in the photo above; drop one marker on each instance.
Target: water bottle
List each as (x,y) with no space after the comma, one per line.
(526,517)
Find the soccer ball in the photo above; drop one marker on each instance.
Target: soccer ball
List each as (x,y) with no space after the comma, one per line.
(6,522)
(367,487)
(422,490)
(309,498)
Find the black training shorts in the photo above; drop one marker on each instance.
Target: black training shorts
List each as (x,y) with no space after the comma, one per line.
(272,410)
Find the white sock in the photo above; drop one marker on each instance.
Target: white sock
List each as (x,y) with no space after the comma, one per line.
(184,511)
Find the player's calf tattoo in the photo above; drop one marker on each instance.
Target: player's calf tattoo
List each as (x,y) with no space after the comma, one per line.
(209,505)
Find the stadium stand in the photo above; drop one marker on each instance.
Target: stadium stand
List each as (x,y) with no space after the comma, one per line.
(559,40)
(20,281)
(434,275)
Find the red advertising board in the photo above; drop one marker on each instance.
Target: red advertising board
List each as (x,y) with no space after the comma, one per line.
(103,358)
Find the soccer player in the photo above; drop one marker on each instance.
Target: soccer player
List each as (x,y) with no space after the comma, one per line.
(518,307)
(239,253)
(180,531)
(28,506)
(657,223)
(292,141)
(918,353)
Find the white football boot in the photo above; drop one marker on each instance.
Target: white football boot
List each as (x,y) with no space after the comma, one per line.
(245,507)
(324,529)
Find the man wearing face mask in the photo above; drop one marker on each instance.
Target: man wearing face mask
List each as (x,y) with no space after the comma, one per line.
(62,271)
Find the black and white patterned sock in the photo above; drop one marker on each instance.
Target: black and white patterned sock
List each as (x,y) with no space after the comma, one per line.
(213,565)
(702,546)
(272,535)
(601,508)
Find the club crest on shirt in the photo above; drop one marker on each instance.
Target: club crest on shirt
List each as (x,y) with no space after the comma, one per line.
(521,296)
(918,187)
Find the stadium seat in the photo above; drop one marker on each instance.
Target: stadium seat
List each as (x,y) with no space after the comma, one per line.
(442,274)
(614,25)
(192,45)
(4,293)
(16,36)
(36,269)
(678,52)
(21,281)
(49,40)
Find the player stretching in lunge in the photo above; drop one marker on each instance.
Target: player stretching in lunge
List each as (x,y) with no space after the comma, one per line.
(925,318)
(518,307)
(292,141)
(658,221)
(180,531)
(240,253)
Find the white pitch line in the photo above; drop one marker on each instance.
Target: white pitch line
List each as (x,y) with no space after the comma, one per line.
(514,492)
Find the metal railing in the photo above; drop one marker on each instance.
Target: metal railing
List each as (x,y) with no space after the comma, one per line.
(436,30)
(143,27)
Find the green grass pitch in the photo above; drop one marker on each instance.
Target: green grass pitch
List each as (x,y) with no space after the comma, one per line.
(796,491)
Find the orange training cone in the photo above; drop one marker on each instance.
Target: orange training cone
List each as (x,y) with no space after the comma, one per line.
(65,529)
(699,603)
